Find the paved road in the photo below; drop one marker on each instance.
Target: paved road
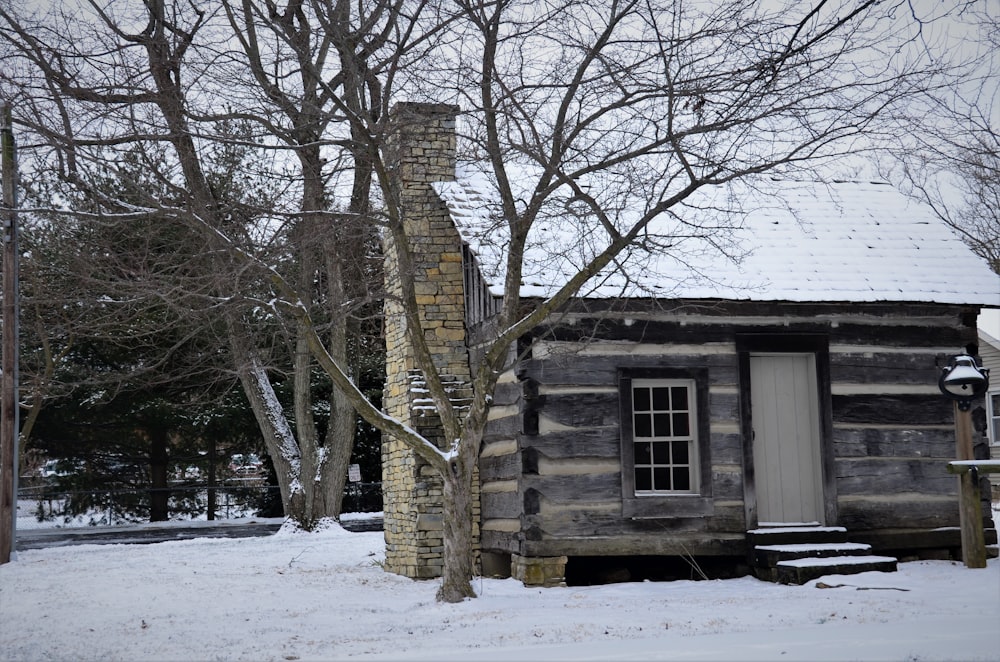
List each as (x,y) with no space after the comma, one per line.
(150,533)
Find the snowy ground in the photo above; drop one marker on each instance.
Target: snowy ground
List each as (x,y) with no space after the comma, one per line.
(324,596)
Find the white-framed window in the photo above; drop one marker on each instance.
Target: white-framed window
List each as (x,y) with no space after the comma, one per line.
(993,417)
(665,442)
(664,437)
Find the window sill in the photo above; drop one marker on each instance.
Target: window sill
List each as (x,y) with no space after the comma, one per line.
(667,506)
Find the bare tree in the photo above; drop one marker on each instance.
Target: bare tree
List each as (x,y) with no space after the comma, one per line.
(296,112)
(159,82)
(121,94)
(953,160)
(310,63)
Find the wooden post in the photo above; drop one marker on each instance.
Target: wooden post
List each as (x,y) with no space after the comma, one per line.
(8,398)
(973,538)
(971,517)
(970,510)
(963,434)
(210,508)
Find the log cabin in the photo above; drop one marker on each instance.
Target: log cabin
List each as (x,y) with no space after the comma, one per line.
(680,409)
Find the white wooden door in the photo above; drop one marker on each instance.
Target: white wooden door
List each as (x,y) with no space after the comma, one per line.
(786,442)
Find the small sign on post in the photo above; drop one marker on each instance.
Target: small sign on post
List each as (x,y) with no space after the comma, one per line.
(354,473)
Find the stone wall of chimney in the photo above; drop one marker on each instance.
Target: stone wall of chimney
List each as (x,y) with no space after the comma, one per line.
(423,151)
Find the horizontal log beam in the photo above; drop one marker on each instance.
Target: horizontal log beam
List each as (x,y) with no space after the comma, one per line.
(982,466)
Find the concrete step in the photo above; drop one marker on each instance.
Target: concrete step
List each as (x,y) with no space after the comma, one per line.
(802,570)
(768,556)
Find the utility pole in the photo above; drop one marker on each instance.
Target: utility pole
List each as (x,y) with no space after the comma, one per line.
(9,398)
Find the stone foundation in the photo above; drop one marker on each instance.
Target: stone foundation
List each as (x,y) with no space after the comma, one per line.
(545,571)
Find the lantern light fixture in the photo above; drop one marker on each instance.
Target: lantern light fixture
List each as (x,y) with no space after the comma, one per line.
(963,380)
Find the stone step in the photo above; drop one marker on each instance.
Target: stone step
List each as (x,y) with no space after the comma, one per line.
(800,571)
(768,556)
(789,535)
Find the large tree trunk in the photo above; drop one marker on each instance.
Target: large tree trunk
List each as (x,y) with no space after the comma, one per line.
(278,437)
(342,420)
(458,544)
(305,511)
(459,554)
(324,467)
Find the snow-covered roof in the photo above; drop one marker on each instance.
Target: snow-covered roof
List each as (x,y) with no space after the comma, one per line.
(771,240)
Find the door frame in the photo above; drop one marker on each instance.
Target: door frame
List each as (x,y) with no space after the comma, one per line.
(768,342)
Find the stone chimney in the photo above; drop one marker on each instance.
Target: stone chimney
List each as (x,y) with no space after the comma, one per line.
(423,151)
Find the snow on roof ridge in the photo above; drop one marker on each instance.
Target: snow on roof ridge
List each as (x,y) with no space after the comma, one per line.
(784,240)
(826,180)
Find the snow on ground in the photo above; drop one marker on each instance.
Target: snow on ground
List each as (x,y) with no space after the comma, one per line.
(324,596)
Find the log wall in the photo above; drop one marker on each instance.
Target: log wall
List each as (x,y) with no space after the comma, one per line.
(551,462)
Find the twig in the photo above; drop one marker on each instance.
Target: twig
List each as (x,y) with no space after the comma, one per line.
(861,588)
(690,560)
(296,557)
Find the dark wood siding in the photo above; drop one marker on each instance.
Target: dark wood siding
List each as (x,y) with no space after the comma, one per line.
(480,305)
(888,433)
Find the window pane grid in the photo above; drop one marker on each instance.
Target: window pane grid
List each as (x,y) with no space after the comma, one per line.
(663,437)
